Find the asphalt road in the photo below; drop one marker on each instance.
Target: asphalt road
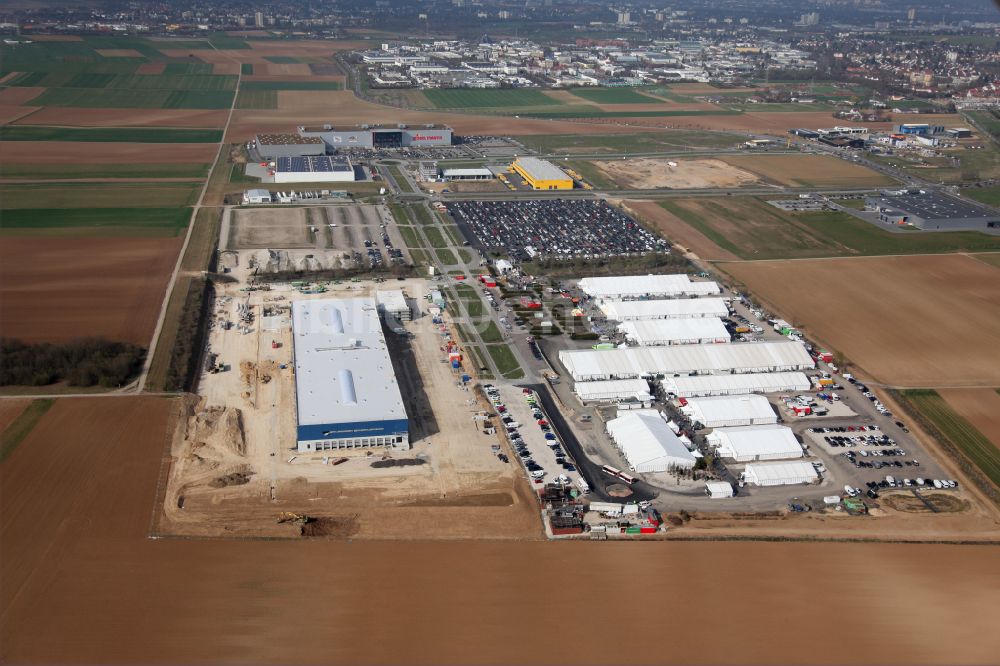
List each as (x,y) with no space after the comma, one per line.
(590,471)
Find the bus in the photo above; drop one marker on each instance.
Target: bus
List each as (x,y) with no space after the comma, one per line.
(618,474)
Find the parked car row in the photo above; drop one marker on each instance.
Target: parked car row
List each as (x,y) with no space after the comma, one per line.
(858,440)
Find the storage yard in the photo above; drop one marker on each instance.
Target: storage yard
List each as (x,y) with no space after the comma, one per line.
(552,229)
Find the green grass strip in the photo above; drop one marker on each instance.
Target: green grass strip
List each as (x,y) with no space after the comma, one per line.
(109,134)
(25,422)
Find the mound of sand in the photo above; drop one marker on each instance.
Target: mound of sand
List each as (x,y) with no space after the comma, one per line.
(656,173)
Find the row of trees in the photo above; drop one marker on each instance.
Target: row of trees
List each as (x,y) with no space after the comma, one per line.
(85,362)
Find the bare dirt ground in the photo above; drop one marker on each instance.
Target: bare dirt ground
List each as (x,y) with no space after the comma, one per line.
(151,68)
(266,227)
(76,117)
(656,173)
(16,95)
(980,407)
(920,321)
(86,152)
(808,170)
(678,231)
(11,409)
(81,582)
(56,289)
(470,186)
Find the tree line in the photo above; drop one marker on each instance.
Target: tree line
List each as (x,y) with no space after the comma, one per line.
(83,362)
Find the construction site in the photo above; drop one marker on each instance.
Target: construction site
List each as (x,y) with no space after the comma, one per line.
(235,466)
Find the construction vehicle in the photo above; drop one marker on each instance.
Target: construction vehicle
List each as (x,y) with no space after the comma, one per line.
(289,517)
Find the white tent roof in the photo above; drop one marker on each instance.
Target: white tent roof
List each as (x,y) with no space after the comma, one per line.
(614,388)
(719,488)
(665,309)
(730,408)
(592,364)
(639,286)
(647,442)
(766,382)
(791,471)
(661,331)
(774,441)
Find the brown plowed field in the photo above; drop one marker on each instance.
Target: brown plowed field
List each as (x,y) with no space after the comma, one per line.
(9,114)
(980,407)
(85,152)
(119,53)
(82,583)
(76,117)
(342,107)
(56,289)
(151,67)
(17,96)
(285,69)
(678,231)
(809,170)
(919,321)
(10,409)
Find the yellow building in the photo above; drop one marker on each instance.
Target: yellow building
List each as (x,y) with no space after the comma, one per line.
(542,175)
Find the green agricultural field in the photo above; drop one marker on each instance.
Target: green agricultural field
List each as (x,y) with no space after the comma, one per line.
(291,85)
(82,171)
(987,195)
(613,96)
(667,93)
(752,229)
(162,221)
(246,69)
(646,142)
(986,120)
(597,113)
(958,432)
(139,81)
(96,195)
(109,134)
(462,98)
(183,68)
(129,99)
(257,99)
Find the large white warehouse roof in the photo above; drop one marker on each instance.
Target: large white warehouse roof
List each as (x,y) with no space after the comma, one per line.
(652,332)
(646,286)
(665,309)
(591,364)
(751,443)
(779,473)
(767,382)
(342,369)
(734,410)
(648,443)
(612,389)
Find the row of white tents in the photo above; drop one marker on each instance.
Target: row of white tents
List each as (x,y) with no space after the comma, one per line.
(634,287)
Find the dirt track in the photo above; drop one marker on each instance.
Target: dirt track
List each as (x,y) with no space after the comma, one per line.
(56,289)
(82,583)
(921,321)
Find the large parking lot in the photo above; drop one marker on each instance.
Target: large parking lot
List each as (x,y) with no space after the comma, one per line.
(553,228)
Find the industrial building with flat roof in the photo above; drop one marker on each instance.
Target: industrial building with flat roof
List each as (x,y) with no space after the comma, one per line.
(345,388)
(613,390)
(592,364)
(754,443)
(706,385)
(931,211)
(625,288)
(542,175)
(679,308)
(380,136)
(648,443)
(690,331)
(392,302)
(323,169)
(273,146)
(729,411)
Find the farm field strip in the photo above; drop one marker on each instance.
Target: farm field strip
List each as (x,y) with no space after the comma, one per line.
(102,171)
(109,134)
(483,99)
(166,221)
(83,196)
(128,99)
(614,96)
